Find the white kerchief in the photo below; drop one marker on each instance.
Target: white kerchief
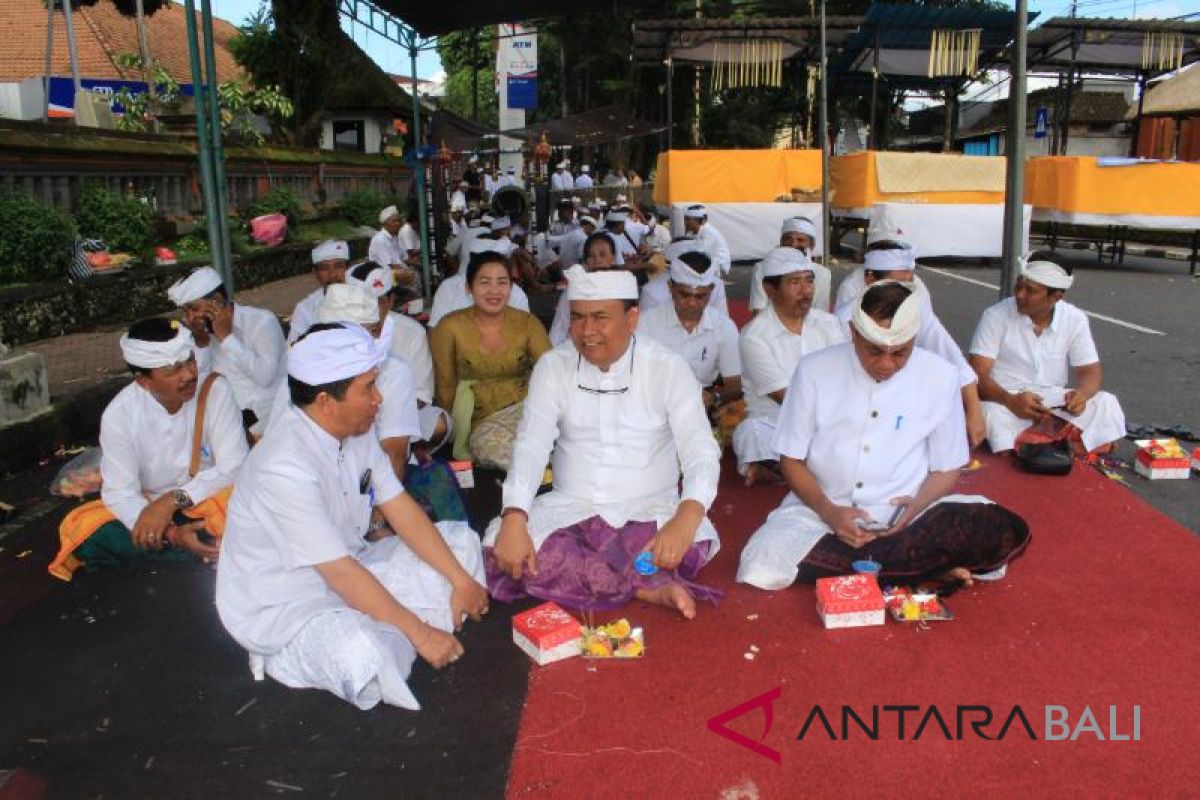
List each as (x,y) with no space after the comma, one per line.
(149,355)
(330,250)
(349,302)
(696,212)
(189,289)
(332,355)
(890,260)
(500,223)
(784,261)
(378,282)
(605,284)
(683,274)
(587,219)
(1048,274)
(388,213)
(616,216)
(905,323)
(799,225)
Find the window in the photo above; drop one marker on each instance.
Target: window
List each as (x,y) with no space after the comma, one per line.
(348,135)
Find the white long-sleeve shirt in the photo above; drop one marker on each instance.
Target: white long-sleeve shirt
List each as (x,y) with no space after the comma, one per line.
(615,448)
(253,358)
(562,181)
(147,452)
(716,247)
(770,353)
(387,250)
(411,345)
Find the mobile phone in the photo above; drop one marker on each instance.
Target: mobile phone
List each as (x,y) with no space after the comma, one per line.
(871,525)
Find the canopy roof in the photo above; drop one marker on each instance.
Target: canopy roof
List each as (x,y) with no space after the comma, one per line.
(598,126)
(696,41)
(900,36)
(1178,95)
(434,19)
(1104,45)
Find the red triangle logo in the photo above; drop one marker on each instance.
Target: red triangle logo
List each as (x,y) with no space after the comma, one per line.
(718,724)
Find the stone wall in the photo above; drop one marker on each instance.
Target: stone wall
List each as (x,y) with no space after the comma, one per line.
(43,311)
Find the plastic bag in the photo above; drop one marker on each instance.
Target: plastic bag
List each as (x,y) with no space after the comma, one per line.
(269,229)
(78,477)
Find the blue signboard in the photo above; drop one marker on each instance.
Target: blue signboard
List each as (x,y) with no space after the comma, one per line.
(62,91)
(523,91)
(1041,123)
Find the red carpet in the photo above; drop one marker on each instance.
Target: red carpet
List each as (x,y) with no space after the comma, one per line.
(1097,613)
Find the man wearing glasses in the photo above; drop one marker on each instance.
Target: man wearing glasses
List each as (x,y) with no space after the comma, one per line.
(619,419)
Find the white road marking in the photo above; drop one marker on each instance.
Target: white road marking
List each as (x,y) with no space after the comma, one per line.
(1093,314)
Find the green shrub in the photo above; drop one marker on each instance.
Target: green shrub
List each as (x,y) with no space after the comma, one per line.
(276,201)
(35,239)
(123,223)
(362,207)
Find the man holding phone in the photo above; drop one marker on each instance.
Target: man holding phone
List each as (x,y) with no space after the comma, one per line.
(871,438)
(243,343)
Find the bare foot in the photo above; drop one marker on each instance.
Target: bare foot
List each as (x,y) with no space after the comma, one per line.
(958,575)
(761,473)
(671,595)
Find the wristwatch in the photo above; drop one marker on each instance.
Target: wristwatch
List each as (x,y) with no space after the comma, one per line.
(181,498)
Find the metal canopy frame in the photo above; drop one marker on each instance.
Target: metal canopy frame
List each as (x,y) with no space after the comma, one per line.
(690,40)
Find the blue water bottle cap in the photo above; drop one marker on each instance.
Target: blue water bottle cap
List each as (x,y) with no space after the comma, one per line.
(644,564)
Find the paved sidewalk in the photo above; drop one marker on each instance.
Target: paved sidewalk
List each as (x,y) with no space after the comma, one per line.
(79,361)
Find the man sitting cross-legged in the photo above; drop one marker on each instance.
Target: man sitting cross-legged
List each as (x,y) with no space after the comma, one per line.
(619,417)
(165,487)
(297,585)
(871,439)
(1023,350)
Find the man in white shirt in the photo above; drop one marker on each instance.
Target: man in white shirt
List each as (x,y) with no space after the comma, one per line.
(658,235)
(614,226)
(584,179)
(163,487)
(657,291)
(452,294)
(298,586)
(619,418)
(771,346)
(458,200)
(871,439)
(896,257)
(491,181)
(800,233)
(697,226)
(706,339)
(887,259)
(571,243)
(397,244)
(508,179)
(562,180)
(409,343)
(243,343)
(1024,350)
(330,260)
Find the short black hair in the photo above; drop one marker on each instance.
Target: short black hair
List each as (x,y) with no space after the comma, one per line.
(697,260)
(598,236)
(303,394)
(477,260)
(360,271)
(151,329)
(882,301)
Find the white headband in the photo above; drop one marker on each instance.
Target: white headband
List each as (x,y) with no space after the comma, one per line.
(604,284)
(784,261)
(347,302)
(199,283)
(890,260)
(584,168)
(330,250)
(332,355)
(378,281)
(388,213)
(681,273)
(616,216)
(906,322)
(500,223)
(799,225)
(150,355)
(1048,274)
(587,219)
(696,212)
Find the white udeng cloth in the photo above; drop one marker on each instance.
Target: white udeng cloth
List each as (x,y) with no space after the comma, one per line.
(147,452)
(864,442)
(657,293)
(252,358)
(616,455)
(298,506)
(452,294)
(1026,361)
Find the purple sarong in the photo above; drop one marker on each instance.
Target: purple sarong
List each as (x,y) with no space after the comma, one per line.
(589,565)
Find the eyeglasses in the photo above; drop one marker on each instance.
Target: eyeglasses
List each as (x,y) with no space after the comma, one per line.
(593,390)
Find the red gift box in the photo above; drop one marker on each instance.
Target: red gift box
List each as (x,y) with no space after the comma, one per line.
(1149,462)
(849,601)
(547,633)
